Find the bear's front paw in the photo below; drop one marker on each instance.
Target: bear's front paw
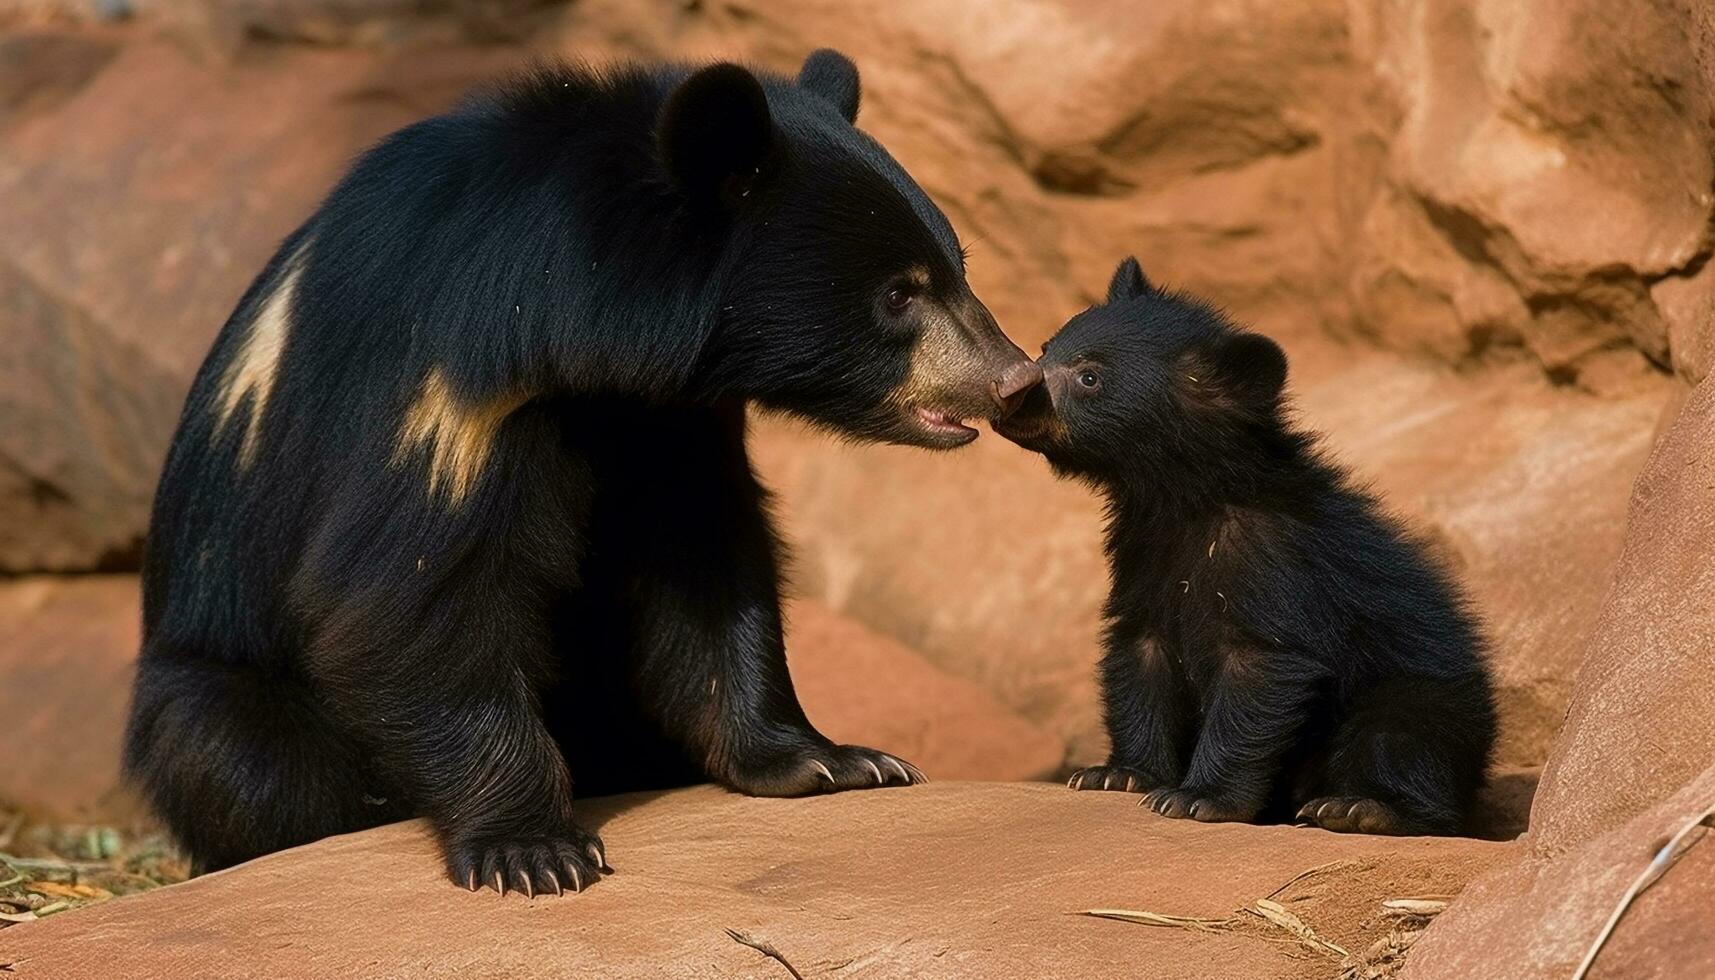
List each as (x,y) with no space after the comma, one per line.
(528,864)
(1207,805)
(1121,778)
(823,769)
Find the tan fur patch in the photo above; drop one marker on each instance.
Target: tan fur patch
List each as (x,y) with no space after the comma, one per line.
(941,353)
(458,435)
(1243,663)
(256,363)
(1149,651)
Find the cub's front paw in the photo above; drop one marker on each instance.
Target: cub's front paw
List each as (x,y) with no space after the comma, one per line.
(1206,805)
(823,769)
(1351,815)
(1121,778)
(531,865)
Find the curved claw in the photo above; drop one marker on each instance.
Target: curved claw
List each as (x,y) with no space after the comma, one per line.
(879,778)
(895,763)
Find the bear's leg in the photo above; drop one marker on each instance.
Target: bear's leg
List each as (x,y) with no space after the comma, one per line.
(449,705)
(240,764)
(1257,704)
(1145,704)
(1409,760)
(710,662)
(432,642)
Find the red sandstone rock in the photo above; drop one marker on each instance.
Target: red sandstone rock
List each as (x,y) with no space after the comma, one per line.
(66,650)
(1634,763)
(944,880)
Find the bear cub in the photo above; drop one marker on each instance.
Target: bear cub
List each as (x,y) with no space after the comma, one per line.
(1276,647)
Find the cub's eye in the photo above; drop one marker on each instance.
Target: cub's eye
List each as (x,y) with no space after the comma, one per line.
(1089,379)
(898,298)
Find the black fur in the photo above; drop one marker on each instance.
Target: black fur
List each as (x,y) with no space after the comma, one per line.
(483,507)
(1275,645)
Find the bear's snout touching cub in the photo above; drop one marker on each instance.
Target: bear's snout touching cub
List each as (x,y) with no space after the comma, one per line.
(1275,647)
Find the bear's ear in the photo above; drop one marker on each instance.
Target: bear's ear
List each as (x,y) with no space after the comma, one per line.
(714,133)
(1251,369)
(832,76)
(1128,281)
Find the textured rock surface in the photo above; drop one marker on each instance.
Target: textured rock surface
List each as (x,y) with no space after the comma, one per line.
(1634,763)
(1639,726)
(1538,917)
(67,649)
(123,251)
(944,880)
(1548,185)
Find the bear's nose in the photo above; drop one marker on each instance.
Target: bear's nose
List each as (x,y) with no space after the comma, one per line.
(1013,384)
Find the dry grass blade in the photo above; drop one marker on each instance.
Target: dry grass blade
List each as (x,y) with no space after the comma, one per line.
(1308,873)
(1276,913)
(1414,906)
(1146,918)
(766,949)
(48,868)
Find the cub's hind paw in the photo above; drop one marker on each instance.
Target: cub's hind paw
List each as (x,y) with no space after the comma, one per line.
(1206,806)
(532,865)
(1121,778)
(825,769)
(1351,815)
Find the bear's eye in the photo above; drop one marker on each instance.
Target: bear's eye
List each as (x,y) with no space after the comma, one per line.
(1089,379)
(898,298)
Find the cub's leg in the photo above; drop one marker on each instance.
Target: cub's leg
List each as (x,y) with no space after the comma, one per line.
(431,644)
(1409,760)
(1255,707)
(709,660)
(1146,707)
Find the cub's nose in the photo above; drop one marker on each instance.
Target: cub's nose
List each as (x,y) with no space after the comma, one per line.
(1013,384)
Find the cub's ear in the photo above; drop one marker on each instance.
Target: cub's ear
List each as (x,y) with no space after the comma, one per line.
(832,76)
(1128,281)
(714,133)
(1251,369)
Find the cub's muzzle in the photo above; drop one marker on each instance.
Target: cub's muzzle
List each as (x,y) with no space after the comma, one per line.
(1014,385)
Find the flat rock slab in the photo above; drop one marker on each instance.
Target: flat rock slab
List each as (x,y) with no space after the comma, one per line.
(943,880)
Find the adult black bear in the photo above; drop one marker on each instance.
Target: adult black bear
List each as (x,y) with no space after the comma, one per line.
(1275,645)
(461,493)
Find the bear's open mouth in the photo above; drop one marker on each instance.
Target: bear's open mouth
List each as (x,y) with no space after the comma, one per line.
(943,427)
